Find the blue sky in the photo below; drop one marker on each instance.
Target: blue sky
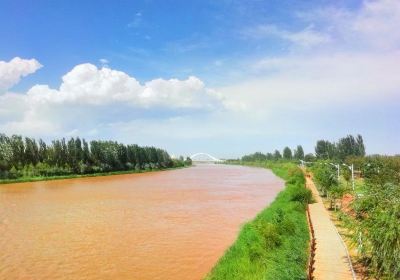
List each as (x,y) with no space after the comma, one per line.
(225,77)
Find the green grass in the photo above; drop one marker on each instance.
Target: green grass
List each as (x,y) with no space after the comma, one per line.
(275,244)
(70,176)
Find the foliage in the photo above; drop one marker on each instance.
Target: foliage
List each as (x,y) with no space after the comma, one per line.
(277,155)
(380,170)
(378,216)
(309,157)
(298,152)
(345,147)
(325,177)
(258,156)
(287,153)
(375,223)
(325,149)
(25,157)
(275,244)
(350,146)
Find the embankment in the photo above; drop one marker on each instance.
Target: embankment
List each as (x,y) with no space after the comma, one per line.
(275,244)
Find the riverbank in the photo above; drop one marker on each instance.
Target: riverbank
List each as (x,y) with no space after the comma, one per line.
(71,176)
(274,245)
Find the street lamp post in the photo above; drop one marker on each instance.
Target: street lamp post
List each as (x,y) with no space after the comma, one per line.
(337,166)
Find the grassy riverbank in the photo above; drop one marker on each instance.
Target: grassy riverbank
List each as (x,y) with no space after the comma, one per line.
(275,244)
(49,178)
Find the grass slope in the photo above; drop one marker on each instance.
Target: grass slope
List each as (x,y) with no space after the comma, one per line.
(275,244)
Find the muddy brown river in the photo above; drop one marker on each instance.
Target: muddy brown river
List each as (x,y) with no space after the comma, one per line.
(161,225)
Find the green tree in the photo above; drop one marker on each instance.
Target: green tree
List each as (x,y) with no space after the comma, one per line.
(325,150)
(299,152)
(78,149)
(325,177)
(85,152)
(309,157)
(277,155)
(25,157)
(6,155)
(257,156)
(287,153)
(43,152)
(18,151)
(31,153)
(350,146)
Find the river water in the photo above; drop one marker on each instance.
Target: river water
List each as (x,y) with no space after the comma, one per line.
(160,225)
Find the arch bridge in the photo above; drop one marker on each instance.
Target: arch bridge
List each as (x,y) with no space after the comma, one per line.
(204,157)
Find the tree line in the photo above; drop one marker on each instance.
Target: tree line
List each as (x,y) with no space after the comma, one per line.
(287,154)
(348,146)
(345,147)
(26,157)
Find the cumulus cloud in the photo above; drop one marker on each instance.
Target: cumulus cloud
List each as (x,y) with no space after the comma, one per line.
(11,72)
(91,94)
(87,84)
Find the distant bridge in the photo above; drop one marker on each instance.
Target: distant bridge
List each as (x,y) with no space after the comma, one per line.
(204,157)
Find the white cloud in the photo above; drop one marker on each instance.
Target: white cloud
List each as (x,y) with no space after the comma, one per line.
(379,23)
(307,37)
(311,81)
(352,59)
(87,84)
(12,106)
(373,26)
(11,72)
(89,95)
(104,62)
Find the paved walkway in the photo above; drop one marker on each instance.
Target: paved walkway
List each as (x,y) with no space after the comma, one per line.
(331,261)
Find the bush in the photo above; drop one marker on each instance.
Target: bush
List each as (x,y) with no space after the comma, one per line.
(301,194)
(378,216)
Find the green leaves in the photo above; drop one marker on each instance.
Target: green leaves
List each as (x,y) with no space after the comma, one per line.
(345,147)
(325,177)
(26,158)
(378,221)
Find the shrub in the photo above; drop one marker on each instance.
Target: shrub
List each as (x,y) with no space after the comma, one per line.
(301,194)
